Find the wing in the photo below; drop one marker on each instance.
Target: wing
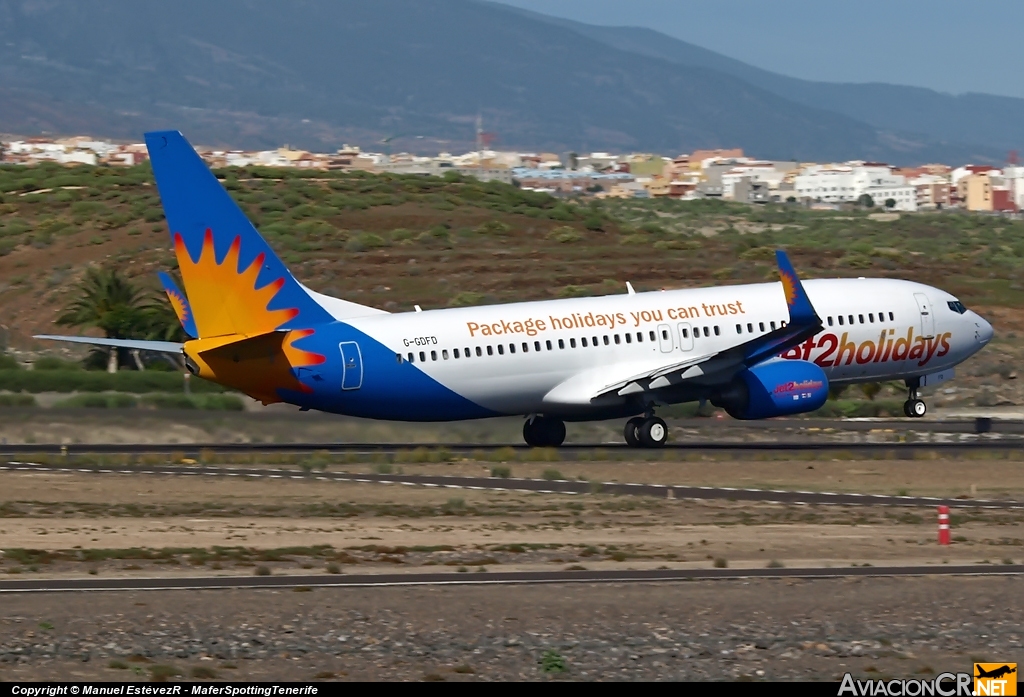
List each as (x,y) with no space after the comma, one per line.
(158,346)
(803,324)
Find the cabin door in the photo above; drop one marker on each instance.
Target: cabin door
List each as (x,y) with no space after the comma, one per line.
(351,365)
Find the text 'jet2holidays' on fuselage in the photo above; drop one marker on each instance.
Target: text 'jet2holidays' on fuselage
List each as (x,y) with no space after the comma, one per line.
(757,351)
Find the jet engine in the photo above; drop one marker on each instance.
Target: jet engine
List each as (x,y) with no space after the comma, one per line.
(775,388)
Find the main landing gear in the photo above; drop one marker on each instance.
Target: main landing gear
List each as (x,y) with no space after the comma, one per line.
(646,432)
(544,432)
(914,407)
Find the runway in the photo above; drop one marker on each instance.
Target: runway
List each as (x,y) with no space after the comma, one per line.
(487,577)
(544,486)
(944,442)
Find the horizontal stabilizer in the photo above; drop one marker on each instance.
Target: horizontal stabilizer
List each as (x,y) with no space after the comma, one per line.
(158,346)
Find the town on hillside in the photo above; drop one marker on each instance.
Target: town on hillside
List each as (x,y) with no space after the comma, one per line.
(722,173)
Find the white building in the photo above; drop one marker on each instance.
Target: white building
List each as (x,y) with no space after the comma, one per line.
(848,182)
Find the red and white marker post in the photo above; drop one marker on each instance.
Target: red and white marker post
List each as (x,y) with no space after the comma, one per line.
(943,525)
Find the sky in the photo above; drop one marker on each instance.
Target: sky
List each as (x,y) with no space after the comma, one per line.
(951,46)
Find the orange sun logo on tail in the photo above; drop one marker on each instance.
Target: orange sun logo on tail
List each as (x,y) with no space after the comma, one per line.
(788,287)
(224,298)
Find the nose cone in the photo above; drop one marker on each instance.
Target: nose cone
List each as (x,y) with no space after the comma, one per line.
(982,330)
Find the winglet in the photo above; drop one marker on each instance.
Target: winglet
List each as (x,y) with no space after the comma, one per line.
(180,304)
(800,309)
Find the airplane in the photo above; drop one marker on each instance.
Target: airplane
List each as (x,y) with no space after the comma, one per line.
(757,351)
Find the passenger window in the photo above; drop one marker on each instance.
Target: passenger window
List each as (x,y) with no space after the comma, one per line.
(750,328)
(891,318)
(490,350)
(840,320)
(398,357)
(718,331)
(410,358)
(605,339)
(760,325)
(561,343)
(511,348)
(433,355)
(572,343)
(772,325)
(861,318)
(686,333)
(423,357)
(455,353)
(467,352)
(639,337)
(617,340)
(739,328)
(526,347)
(478,351)
(664,334)
(444,354)
(851,319)
(830,321)
(583,341)
(548,344)
(536,346)
(871,317)
(652,336)
(501,350)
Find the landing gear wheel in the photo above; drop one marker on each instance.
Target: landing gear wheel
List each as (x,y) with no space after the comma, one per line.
(915,408)
(544,432)
(653,432)
(632,431)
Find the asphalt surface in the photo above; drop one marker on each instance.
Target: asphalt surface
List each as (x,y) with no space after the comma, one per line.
(558,486)
(568,451)
(477,578)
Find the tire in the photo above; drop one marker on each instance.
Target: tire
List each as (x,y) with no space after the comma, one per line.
(632,431)
(653,433)
(918,408)
(544,432)
(906,410)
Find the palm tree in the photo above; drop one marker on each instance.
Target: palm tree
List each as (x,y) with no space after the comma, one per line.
(111,302)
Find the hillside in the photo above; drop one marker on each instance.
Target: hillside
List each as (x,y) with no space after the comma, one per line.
(393,241)
(994,124)
(316,73)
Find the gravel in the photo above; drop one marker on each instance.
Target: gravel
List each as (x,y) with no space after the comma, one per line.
(701,630)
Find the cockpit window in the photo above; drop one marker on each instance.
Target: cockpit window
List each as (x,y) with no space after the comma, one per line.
(957,306)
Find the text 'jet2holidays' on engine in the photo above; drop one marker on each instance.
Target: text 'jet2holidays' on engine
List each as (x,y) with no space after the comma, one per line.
(757,351)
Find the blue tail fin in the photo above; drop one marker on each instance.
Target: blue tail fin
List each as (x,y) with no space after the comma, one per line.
(234,281)
(180,304)
(800,309)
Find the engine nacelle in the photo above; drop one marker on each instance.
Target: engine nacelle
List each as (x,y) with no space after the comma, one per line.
(776,388)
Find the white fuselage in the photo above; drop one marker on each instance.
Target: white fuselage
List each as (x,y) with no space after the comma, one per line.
(554,356)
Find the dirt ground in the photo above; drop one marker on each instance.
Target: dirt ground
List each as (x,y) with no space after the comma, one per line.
(56,524)
(362,524)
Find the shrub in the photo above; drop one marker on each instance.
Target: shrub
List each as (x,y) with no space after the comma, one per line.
(54,363)
(565,235)
(501,472)
(721,563)
(162,673)
(262,570)
(552,475)
(204,672)
(17,400)
(552,662)
(466,299)
(8,363)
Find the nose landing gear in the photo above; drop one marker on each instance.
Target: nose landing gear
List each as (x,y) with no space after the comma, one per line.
(646,432)
(914,407)
(544,432)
